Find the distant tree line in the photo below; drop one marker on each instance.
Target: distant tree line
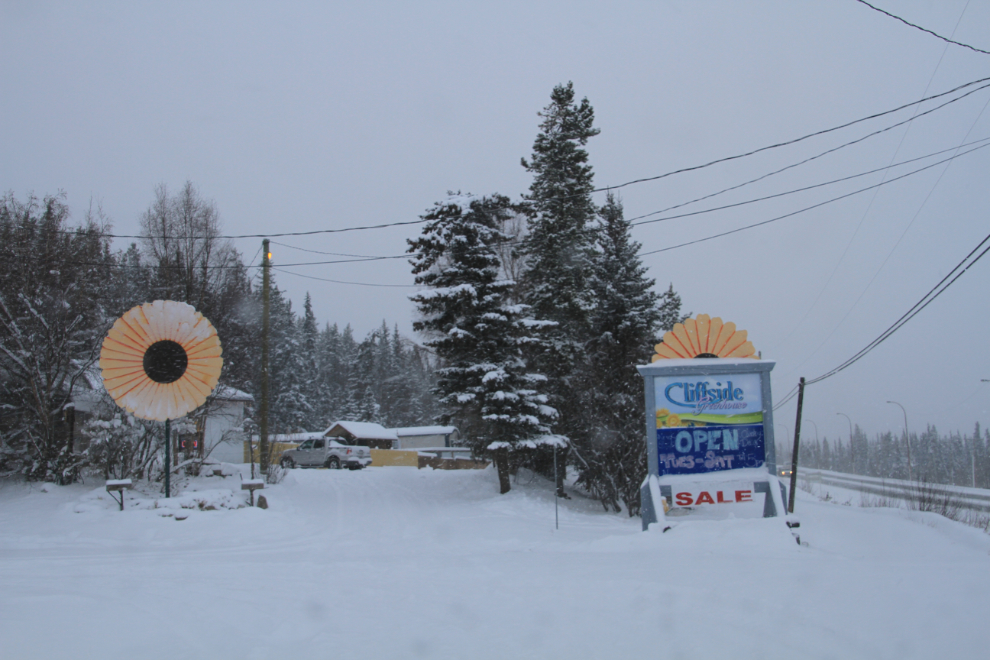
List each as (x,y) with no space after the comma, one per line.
(62,286)
(942,459)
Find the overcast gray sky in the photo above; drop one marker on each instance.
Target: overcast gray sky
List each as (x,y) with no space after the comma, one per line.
(304,116)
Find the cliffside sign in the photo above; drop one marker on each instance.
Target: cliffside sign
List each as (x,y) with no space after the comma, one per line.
(709,426)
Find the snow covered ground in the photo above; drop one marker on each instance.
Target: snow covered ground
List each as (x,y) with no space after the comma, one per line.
(406,563)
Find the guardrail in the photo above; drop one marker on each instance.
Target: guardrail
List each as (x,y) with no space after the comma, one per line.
(974,499)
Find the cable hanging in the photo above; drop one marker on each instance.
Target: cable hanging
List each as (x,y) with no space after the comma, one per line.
(806,188)
(386,225)
(815,157)
(813,206)
(918,27)
(925,300)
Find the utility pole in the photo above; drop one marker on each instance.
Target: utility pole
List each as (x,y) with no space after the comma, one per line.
(263,408)
(797,444)
(907,437)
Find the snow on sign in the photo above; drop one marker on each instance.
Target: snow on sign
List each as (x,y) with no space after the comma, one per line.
(161,360)
(709,426)
(708,423)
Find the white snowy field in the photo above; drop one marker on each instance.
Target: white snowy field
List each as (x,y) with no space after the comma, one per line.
(406,563)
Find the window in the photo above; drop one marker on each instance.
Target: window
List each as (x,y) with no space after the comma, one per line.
(318,444)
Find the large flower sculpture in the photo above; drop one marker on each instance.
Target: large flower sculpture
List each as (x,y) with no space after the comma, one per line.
(704,337)
(161,360)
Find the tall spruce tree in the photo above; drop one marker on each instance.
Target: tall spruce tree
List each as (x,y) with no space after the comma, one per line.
(611,458)
(484,384)
(559,251)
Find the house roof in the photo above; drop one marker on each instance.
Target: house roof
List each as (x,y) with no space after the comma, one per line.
(290,437)
(364,430)
(412,431)
(231,394)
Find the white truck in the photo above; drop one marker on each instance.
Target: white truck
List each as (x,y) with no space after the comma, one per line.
(328,453)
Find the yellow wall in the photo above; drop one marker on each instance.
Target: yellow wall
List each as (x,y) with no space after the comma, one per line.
(276,448)
(380,457)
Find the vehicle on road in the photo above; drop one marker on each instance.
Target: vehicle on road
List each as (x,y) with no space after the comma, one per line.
(328,453)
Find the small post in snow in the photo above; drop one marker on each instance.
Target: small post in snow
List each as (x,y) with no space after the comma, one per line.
(556,517)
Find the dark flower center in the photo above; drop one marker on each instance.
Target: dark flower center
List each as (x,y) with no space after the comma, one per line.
(165,361)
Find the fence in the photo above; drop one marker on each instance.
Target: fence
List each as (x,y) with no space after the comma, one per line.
(912,492)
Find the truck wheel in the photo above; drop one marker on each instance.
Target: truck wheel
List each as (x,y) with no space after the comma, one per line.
(287,463)
(333,463)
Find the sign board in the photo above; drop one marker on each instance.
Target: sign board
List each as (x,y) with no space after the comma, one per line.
(708,423)
(737,498)
(709,430)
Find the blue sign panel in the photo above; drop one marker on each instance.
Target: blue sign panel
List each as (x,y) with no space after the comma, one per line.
(710,448)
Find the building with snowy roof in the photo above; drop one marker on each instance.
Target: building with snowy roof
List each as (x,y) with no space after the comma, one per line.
(427,437)
(365,434)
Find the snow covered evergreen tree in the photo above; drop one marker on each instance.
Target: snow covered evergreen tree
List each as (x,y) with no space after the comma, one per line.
(289,406)
(611,457)
(560,253)
(52,314)
(484,384)
(311,366)
(670,310)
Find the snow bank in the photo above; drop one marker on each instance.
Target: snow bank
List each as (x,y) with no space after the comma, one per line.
(405,563)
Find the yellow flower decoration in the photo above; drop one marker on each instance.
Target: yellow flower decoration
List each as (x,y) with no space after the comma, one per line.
(704,337)
(663,412)
(161,360)
(673,420)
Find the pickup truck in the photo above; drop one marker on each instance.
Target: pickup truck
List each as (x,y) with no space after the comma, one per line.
(328,453)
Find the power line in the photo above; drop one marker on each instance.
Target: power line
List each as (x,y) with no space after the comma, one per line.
(918,27)
(384,225)
(815,157)
(925,300)
(876,191)
(876,274)
(813,206)
(323,279)
(787,397)
(806,188)
(341,254)
(360,258)
(793,141)
(223,266)
(642,254)
(692,168)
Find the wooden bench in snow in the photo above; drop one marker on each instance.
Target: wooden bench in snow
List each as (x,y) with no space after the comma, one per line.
(118,485)
(252,485)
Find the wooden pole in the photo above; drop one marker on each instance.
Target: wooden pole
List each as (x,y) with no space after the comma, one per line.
(797,444)
(263,411)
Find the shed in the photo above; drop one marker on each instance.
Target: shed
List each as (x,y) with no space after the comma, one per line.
(365,434)
(422,437)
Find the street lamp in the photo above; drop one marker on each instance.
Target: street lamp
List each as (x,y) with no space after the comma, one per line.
(816,428)
(852,452)
(787,434)
(907,437)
